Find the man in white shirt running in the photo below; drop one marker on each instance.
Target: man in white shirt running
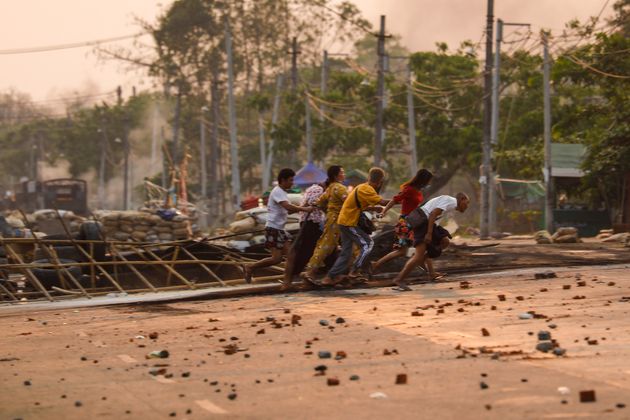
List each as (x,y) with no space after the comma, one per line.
(423,233)
(277,240)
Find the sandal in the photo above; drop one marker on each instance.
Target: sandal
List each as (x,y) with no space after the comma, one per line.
(438,277)
(307,279)
(284,287)
(401,287)
(332,282)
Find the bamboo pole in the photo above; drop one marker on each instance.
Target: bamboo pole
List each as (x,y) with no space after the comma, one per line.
(26,271)
(137,273)
(7,292)
(64,270)
(88,256)
(92,269)
(204,267)
(61,271)
(169,276)
(149,262)
(156,261)
(116,253)
(168,267)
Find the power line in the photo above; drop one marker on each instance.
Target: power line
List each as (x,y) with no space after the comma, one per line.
(71,98)
(353,22)
(587,66)
(68,46)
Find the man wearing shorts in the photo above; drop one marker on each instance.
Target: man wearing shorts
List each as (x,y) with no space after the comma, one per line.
(277,240)
(428,239)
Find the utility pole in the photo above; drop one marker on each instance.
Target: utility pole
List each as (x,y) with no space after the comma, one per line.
(274,121)
(164,163)
(411,118)
(202,153)
(324,84)
(309,134)
(178,107)
(294,70)
(126,149)
(33,159)
(236,178)
(487,122)
(154,135)
(214,143)
(263,151)
(494,131)
(101,168)
(294,83)
(549,193)
(380,92)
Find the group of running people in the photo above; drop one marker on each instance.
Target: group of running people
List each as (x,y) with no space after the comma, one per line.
(331,215)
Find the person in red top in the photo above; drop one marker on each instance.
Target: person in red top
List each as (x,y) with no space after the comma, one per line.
(410,197)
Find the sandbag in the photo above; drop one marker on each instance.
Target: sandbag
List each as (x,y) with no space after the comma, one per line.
(243,225)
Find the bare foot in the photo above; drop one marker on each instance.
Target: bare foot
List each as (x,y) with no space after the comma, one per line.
(247,273)
(371,269)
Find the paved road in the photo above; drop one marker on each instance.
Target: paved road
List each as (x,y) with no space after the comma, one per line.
(91,357)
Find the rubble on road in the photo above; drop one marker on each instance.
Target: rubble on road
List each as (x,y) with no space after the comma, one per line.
(563,235)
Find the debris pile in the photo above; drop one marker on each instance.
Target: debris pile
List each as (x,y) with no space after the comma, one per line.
(47,221)
(564,235)
(607,235)
(148,225)
(254,220)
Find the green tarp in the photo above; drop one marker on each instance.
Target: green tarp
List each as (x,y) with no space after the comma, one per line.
(566,160)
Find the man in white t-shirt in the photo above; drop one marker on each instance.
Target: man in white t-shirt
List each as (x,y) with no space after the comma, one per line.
(277,240)
(424,235)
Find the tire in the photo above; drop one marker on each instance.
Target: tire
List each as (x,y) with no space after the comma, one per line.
(383,242)
(92,231)
(3,272)
(48,277)
(63,253)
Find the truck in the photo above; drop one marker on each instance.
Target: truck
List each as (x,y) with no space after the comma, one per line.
(61,193)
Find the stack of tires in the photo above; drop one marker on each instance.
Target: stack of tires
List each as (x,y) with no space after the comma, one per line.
(69,254)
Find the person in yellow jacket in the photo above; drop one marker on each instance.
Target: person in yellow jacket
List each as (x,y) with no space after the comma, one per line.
(363,198)
(332,200)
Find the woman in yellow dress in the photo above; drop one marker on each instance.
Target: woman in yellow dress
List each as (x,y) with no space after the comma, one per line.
(331,200)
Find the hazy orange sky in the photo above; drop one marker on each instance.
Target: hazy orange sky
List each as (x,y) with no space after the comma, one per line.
(49,75)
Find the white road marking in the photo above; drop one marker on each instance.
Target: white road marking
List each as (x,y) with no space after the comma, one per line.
(210,406)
